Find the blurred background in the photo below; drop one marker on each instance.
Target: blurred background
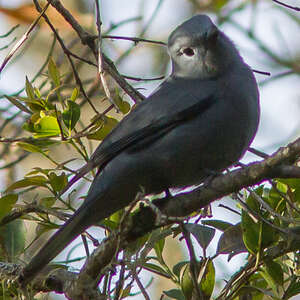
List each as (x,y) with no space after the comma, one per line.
(266,33)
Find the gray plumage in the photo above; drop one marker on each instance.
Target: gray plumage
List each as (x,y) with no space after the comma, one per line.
(200,120)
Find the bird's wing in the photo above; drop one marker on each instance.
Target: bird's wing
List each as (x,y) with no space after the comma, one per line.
(165,109)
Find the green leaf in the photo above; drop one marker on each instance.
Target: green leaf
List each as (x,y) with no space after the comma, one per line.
(282,187)
(218,224)
(58,182)
(297,195)
(54,72)
(116,217)
(47,201)
(207,282)
(125,292)
(155,269)
(42,228)
(271,283)
(293,289)
(29,181)
(252,231)
(15,102)
(231,240)
(186,283)
(46,126)
(273,198)
(123,106)
(29,90)
(12,237)
(44,144)
(37,93)
(29,147)
(174,294)
(37,170)
(274,269)
(75,94)
(202,234)
(218,5)
(35,106)
(7,203)
(252,202)
(293,183)
(177,268)
(71,115)
(109,224)
(257,234)
(254,293)
(102,128)
(159,247)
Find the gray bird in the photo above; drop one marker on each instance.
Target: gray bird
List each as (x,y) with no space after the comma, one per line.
(200,120)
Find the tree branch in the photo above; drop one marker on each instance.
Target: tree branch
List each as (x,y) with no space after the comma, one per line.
(280,164)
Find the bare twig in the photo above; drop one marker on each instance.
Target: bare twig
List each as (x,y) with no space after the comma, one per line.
(136,40)
(261,72)
(258,152)
(32,208)
(24,37)
(230,209)
(9,32)
(120,282)
(143,79)
(100,56)
(59,39)
(286,5)
(139,283)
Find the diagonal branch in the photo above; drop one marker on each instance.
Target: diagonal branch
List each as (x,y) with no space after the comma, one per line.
(280,164)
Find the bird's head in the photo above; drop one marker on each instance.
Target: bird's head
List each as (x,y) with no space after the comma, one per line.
(198,49)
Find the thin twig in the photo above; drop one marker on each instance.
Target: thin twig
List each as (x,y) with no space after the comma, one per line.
(261,72)
(139,283)
(120,282)
(136,40)
(268,207)
(88,39)
(21,211)
(100,56)
(142,79)
(230,209)
(24,37)
(193,264)
(258,152)
(286,5)
(9,32)
(59,39)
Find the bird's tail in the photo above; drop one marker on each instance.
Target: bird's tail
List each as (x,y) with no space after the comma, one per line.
(67,233)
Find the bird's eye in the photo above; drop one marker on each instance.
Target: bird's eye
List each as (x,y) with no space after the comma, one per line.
(188,51)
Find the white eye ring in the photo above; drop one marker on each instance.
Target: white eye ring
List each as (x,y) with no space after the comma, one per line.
(188,51)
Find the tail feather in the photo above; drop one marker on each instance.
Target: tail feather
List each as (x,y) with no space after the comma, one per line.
(67,233)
